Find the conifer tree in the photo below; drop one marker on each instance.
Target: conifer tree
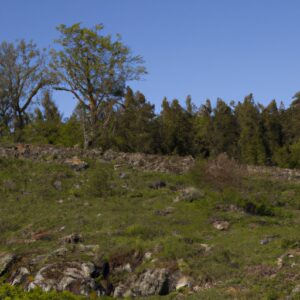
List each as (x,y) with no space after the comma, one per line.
(251,143)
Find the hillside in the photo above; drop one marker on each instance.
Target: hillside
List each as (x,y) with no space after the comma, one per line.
(132,225)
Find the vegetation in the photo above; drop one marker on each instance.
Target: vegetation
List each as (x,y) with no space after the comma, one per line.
(122,214)
(95,69)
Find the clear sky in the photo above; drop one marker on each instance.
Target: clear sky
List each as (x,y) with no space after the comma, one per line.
(205,48)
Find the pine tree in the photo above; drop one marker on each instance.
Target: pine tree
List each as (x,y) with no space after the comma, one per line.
(272,130)
(251,144)
(225,134)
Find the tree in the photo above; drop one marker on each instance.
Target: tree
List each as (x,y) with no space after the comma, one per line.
(94,69)
(176,129)
(203,129)
(135,124)
(46,123)
(272,129)
(251,144)
(23,70)
(224,134)
(5,110)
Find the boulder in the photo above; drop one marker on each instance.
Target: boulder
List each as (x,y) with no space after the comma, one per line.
(6,261)
(20,276)
(221,225)
(71,276)
(152,282)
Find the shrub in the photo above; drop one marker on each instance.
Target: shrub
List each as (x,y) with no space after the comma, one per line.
(99,181)
(220,172)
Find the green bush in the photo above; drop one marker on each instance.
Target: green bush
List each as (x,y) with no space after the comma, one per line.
(8,292)
(99,181)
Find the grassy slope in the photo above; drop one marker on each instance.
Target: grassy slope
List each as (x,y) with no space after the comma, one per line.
(120,215)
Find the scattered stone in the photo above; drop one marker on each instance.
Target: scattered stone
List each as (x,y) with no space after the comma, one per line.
(60,251)
(148,256)
(60,201)
(6,261)
(76,163)
(165,212)
(206,247)
(189,194)
(268,239)
(74,238)
(157,185)
(57,185)
(183,282)
(221,225)
(88,249)
(123,175)
(296,289)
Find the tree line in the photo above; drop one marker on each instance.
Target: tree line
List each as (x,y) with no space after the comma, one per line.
(96,68)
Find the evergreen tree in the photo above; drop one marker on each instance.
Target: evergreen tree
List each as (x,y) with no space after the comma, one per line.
(203,130)
(135,124)
(225,134)
(272,130)
(251,143)
(176,129)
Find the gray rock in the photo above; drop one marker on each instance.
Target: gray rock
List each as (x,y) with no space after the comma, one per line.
(74,238)
(20,276)
(6,260)
(189,194)
(57,184)
(71,276)
(152,282)
(221,225)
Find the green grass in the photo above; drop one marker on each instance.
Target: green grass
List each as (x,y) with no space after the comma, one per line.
(120,215)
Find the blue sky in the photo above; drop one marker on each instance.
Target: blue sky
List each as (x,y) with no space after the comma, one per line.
(205,48)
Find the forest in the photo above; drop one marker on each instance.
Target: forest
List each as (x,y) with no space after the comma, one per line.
(96,69)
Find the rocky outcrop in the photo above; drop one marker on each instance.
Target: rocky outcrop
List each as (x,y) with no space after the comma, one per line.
(75,157)
(78,278)
(6,261)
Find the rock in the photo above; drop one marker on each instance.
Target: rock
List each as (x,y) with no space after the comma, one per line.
(74,238)
(6,261)
(123,268)
(62,251)
(157,185)
(71,276)
(206,247)
(119,291)
(221,225)
(123,175)
(183,282)
(88,249)
(165,212)
(189,194)
(296,289)
(76,163)
(268,239)
(57,185)
(20,276)
(148,256)
(152,282)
